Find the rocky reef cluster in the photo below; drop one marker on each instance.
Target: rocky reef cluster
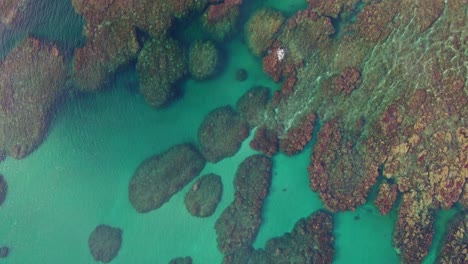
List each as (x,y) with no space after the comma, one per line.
(388,91)
(379,87)
(239,223)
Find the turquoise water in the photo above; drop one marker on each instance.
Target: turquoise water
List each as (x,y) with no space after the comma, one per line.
(78,179)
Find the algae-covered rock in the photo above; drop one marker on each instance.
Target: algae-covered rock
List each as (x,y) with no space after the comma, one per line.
(220,20)
(32,78)
(160,65)
(181,260)
(162,175)
(252,105)
(221,133)
(203,59)
(239,223)
(4,252)
(203,198)
(261,28)
(114,29)
(104,243)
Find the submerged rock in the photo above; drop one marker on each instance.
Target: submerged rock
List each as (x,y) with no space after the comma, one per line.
(298,135)
(114,30)
(203,59)
(4,251)
(161,63)
(104,243)
(239,223)
(181,260)
(241,75)
(32,78)
(265,140)
(311,241)
(203,198)
(221,133)
(3,189)
(159,177)
(252,105)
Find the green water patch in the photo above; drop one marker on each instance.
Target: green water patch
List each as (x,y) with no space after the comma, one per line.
(364,236)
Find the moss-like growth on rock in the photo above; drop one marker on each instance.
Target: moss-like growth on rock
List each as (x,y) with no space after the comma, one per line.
(261,28)
(203,59)
(160,65)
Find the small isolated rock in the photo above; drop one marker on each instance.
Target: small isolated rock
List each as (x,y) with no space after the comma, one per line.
(162,175)
(203,198)
(221,133)
(181,260)
(241,75)
(104,243)
(3,189)
(4,251)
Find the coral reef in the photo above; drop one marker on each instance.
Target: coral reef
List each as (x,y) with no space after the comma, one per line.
(203,198)
(252,105)
(261,28)
(161,63)
(203,59)
(239,223)
(3,189)
(162,175)
(104,243)
(32,78)
(181,260)
(113,29)
(455,244)
(221,133)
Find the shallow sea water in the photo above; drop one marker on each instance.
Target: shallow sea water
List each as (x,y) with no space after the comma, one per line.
(78,179)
